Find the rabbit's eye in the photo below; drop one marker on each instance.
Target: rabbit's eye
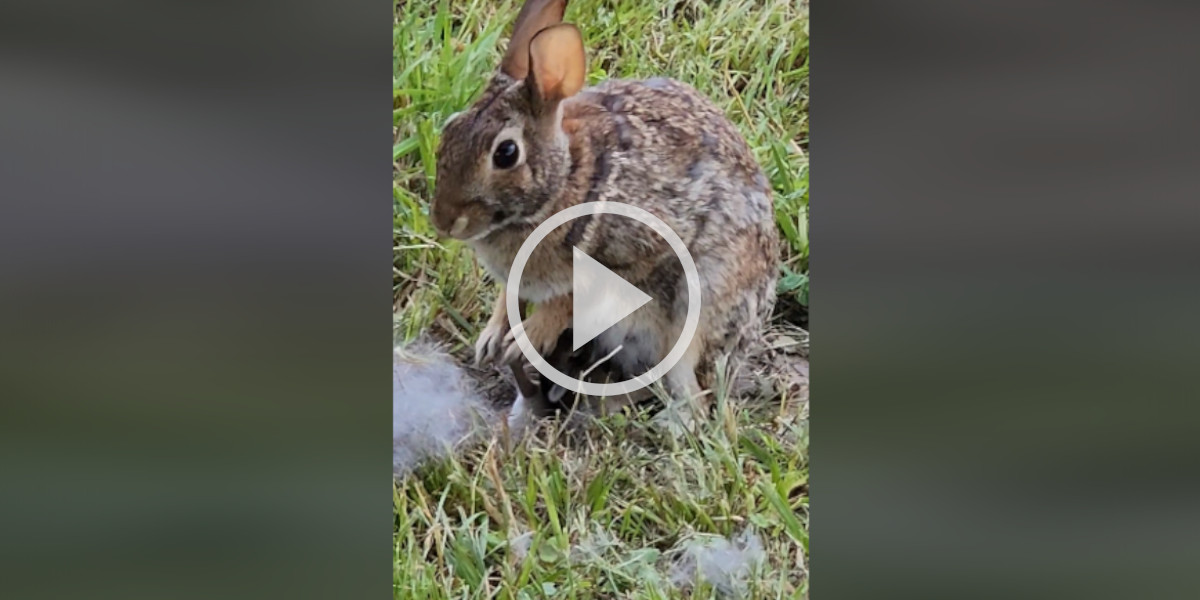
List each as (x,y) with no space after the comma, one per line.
(506,154)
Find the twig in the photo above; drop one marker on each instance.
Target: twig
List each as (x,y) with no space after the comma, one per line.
(600,362)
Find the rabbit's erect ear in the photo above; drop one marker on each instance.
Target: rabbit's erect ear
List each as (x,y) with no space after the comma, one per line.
(557,64)
(535,16)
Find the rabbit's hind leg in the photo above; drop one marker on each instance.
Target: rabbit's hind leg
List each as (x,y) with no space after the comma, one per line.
(689,404)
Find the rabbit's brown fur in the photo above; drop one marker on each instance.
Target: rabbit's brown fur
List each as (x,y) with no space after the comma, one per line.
(656,144)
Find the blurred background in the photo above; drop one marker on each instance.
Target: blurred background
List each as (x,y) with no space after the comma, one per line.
(193,317)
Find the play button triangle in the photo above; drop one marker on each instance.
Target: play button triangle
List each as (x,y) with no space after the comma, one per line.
(600,298)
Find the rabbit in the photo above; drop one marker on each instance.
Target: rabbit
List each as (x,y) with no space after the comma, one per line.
(537,141)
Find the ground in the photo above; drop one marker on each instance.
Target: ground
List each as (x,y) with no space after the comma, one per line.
(615,509)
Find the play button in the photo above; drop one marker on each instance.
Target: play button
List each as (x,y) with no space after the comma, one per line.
(600,299)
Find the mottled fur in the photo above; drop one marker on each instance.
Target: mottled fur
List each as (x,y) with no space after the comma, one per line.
(656,144)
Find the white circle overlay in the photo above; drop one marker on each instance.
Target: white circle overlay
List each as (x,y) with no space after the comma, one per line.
(690,323)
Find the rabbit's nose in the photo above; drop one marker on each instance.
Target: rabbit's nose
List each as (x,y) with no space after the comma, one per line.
(459,226)
(454,227)
(443,220)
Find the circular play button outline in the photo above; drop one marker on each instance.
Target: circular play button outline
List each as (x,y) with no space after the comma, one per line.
(690,323)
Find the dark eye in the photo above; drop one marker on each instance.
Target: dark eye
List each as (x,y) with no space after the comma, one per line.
(506,154)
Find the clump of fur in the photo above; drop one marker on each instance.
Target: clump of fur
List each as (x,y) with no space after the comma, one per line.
(440,404)
(725,563)
(436,405)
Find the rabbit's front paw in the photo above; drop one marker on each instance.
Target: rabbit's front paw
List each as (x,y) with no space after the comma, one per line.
(542,329)
(491,341)
(542,334)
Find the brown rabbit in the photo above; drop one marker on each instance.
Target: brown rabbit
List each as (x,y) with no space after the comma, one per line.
(537,142)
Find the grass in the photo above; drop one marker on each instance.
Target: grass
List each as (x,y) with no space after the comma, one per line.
(604,512)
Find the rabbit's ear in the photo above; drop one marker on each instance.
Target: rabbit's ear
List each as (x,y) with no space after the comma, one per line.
(535,16)
(557,64)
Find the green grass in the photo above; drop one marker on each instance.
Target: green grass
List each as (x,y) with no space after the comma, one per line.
(618,488)
(604,512)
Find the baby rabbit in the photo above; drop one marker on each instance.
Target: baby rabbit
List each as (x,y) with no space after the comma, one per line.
(537,141)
